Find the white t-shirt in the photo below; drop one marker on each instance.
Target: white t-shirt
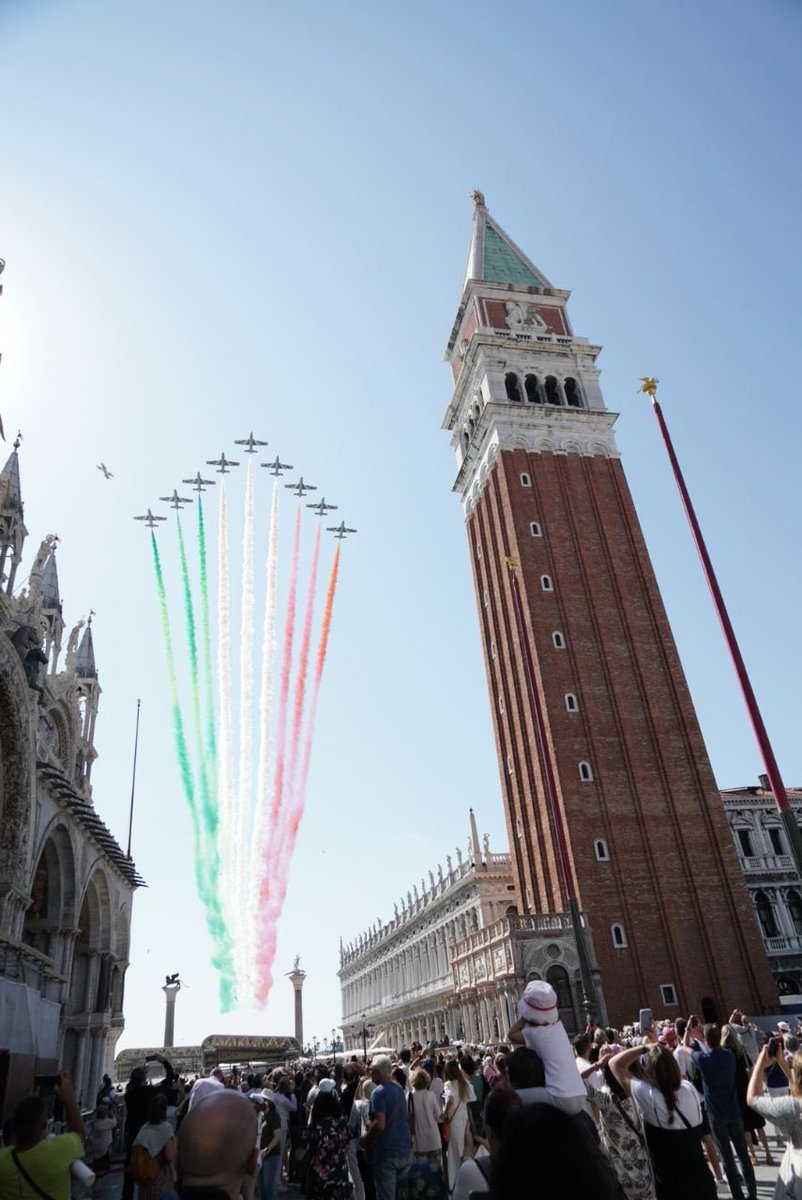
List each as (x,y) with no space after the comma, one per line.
(201,1088)
(684,1062)
(655,1110)
(469,1179)
(557,1055)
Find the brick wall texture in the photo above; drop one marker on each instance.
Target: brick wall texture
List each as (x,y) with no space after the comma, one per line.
(672,880)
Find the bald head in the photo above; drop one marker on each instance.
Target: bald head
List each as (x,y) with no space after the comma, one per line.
(217,1142)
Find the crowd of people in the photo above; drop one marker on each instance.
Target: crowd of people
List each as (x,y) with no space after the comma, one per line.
(670,1110)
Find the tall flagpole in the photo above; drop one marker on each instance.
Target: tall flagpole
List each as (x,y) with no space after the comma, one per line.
(649,386)
(590,999)
(133,781)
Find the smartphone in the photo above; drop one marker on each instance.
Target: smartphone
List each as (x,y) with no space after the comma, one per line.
(150,1058)
(46,1084)
(773,1046)
(645,1020)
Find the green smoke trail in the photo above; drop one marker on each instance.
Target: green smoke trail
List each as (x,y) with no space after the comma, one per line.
(211,741)
(222,950)
(208,809)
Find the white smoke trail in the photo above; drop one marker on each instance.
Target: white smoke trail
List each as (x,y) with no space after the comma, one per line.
(262,808)
(224,751)
(243,801)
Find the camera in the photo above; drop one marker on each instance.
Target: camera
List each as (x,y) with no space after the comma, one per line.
(46,1084)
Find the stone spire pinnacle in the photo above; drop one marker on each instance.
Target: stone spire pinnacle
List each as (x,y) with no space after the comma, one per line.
(12,527)
(476,850)
(85,658)
(494,257)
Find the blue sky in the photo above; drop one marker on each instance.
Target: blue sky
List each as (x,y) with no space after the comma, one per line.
(219,218)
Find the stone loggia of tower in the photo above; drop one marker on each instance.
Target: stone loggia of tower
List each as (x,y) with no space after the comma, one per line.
(541,483)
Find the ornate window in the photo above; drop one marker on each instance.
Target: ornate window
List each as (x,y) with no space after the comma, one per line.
(794,902)
(571,702)
(573,395)
(618,936)
(512,386)
(745,842)
(585,773)
(776,839)
(765,914)
(553,391)
(532,389)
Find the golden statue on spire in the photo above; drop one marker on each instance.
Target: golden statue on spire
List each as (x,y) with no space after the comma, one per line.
(478,198)
(648,384)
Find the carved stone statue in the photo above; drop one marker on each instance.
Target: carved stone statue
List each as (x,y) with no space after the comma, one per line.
(486,845)
(395,912)
(28,645)
(459,855)
(296,963)
(415,891)
(42,555)
(409,899)
(439,872)
(449,863)
(431,880)
(72,645)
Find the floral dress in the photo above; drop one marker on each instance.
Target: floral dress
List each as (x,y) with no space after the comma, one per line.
(328,1167)
(624,1143)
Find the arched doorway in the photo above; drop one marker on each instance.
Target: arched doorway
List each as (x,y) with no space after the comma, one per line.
(557,976)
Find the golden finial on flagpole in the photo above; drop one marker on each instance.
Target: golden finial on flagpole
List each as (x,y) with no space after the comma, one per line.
(648,385)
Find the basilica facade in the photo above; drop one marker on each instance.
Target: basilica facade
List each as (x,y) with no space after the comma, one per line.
(66,886)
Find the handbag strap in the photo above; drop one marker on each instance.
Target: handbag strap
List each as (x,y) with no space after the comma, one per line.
(31,1182)
(627,1117)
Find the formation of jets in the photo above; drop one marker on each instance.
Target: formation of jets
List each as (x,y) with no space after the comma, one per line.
(150,520)
(222,463)
(277,467)
(175,501)
(251,442)
(223,466)
(199,484)
(321,508)
(340,531)
(300,488)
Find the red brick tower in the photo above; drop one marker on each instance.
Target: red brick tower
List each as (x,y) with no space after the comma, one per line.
(541,481)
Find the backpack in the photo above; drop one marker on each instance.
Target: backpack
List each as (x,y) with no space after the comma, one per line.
(144,1167)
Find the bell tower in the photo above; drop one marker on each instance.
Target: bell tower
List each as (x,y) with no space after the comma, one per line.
(542,488)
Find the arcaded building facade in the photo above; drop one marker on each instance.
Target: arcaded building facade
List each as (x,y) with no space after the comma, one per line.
(66,887)
(545,496)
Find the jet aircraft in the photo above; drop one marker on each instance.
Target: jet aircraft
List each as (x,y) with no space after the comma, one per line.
(175,501)
(107,474)
(277,467)
(222,463)
(341,530)
(199,484)
(150,519)
(300,488)
(321,508)
(251,442)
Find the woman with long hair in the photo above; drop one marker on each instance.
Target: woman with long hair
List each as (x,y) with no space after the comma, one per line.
(424,1118)
(622,1134)
(156,1140)
(754,1124)
(328,1143)
(783,1111)
(457,1095)
(672,1120)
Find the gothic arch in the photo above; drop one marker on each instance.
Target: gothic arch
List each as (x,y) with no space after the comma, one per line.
(52,905)
(17,756)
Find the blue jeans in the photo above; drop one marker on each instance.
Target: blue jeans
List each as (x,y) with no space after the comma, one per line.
(386,1173)
(268,1177)
(726,1132)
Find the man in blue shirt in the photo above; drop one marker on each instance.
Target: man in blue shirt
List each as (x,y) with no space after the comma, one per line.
(717,1068)
(387,1142)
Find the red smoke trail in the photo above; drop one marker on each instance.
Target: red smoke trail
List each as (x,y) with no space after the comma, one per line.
(291,829)
(291,782)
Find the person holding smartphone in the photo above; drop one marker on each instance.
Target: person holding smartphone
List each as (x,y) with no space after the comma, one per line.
(36,1165)
(783,1111)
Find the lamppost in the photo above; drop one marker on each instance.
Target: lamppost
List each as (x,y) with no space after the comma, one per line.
(363,1033)
(315,1047)
(334,1044)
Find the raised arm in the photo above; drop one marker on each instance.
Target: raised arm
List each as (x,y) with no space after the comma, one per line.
(71,1110)
(620,1064)
(515,1034)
